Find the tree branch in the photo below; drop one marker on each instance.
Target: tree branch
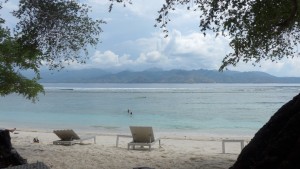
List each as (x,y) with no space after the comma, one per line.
(292,16)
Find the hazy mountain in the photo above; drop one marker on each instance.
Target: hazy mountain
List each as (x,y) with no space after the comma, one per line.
(71,76)
(160,76)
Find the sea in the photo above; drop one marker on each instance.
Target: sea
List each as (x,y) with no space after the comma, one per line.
(217,109)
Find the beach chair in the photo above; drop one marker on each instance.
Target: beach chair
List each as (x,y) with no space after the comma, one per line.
(142,136)
(69,137)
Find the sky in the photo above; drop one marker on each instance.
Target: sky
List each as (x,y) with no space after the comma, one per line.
(131,42)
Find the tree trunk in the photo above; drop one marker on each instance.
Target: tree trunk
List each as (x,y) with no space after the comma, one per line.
(277,144)
(8,155)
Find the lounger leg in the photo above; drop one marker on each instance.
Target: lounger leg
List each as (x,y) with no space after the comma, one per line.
(242,145)
(149,147)
(223,146)
(117,142)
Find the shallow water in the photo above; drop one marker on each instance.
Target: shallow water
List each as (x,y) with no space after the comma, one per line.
(193,108)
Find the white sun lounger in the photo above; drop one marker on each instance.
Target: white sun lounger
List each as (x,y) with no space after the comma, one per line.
(69,137)
(142,136)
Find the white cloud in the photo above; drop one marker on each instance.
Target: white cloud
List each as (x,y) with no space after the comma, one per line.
(106,58)
(196,51)
(193,51)
(150,57)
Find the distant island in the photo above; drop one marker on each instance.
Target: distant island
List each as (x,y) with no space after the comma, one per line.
(161,76)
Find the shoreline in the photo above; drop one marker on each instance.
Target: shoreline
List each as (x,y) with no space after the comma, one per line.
(177,152)
(191,135)
(118,130)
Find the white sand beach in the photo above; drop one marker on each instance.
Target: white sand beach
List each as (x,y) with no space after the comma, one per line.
(177,152)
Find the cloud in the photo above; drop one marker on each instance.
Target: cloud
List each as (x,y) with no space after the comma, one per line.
(199,50)
(150,57)
(110,60)
(192,51)
(106,58)
(145,46)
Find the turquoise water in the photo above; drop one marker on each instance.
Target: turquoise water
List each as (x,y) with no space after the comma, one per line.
(195,108)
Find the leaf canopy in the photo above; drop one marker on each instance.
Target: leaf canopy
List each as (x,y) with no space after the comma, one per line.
(60,29)
(49,32)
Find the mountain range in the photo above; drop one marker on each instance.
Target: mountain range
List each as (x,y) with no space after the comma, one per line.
(161,76)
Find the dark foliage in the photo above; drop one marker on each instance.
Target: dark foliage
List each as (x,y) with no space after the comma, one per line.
(49,32)
(8,155)
(277,144)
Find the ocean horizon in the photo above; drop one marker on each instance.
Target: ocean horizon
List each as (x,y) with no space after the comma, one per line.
(229,109)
